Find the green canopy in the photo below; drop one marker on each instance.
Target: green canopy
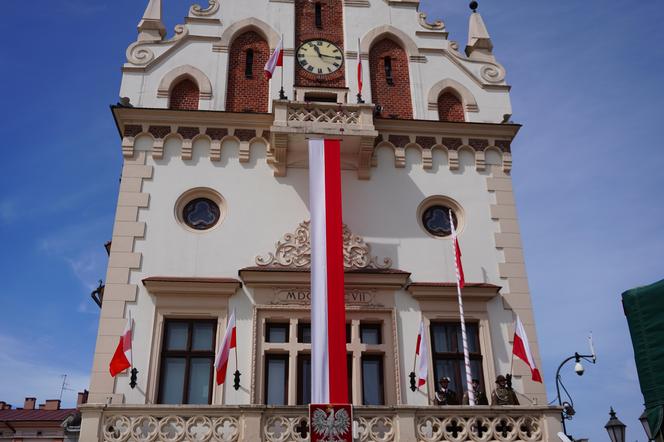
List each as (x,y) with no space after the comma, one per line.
(644,308)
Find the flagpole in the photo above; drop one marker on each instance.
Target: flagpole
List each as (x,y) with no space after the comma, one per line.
(282,93)
(134,371)
(466,357)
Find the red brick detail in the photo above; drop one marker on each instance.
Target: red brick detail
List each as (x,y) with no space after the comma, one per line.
(216,133)
(159,131)
(504,145)
(245,134)
(248,94)
(188,133)
(131,130)
(394,98)
(478,144)
(450,108)
(332,30)
(399,140)
(452,143)
(426,142)
(185,95)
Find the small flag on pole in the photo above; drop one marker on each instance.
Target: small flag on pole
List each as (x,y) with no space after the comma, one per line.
(521,350)
(276,59)
(422,350)
(122,357)
(229,342)
(457,254)
(359,69)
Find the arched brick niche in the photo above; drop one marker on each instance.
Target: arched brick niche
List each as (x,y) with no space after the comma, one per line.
(390,80)
(248,89)
(450,107)
(184,95)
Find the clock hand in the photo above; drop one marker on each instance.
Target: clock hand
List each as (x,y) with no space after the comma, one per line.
(318,51)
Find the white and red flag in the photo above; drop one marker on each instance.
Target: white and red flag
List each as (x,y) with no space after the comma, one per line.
(457,254)
(122,358)
(329,381)
(422,350)
(276,59)
(359,69)
(223,355)
(521,350)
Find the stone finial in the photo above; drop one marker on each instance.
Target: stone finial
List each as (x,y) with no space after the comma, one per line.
(151,27)
(479,42)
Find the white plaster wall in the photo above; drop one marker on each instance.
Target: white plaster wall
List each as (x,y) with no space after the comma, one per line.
(261,208)
(141,87)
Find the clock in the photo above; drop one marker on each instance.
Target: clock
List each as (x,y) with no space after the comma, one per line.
(320,57)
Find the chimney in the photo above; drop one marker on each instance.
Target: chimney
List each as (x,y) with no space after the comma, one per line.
(2,405)
(6,406)
(29,403)
(82,398)
(52,404)
(42,406)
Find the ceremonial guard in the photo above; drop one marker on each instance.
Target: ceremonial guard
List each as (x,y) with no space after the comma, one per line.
(445,395)
(503,395)
(480,397)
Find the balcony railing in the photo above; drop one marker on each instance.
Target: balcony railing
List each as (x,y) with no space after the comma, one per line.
(171,423)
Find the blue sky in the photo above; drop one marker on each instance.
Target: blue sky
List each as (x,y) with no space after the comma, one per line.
(588,174)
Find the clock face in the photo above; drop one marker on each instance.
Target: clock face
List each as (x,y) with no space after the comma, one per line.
(320,57)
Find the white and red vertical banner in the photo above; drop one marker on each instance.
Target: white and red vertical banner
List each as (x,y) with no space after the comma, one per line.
(329,379)
(223,355)
(422,350)
(122,358)
(521,350)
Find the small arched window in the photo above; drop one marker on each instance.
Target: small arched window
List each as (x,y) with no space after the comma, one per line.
(319,15)
(184,95)
(450,108)
(388,71)
(249,63)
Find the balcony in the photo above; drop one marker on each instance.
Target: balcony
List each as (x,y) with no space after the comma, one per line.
(171,423)
(295,121)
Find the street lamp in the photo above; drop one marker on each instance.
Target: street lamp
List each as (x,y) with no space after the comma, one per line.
(646,426)
(615,428)
(568,410)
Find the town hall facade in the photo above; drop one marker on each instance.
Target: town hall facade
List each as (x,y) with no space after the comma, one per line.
(212,217)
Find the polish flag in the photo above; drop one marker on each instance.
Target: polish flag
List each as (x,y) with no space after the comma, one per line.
(422,350)
(276,59)
(122,356)
(521,350)
(457,254)
(329,381)
(229,341)
(359,69)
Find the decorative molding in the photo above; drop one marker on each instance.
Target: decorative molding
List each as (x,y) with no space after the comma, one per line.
(490,72)
(294,251)
(197,10)
(176,74)
(438,25)
(357,3)
(165,285)
(140,55)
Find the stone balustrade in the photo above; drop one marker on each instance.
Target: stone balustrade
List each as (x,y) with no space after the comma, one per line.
(171,423)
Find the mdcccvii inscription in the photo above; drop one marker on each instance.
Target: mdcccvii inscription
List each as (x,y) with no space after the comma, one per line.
(303,297)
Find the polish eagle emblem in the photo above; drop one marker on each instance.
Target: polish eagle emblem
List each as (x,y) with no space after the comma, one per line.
(330,426)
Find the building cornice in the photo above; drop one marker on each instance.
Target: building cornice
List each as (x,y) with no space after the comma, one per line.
(168,285)
(439,291)
(283,277)
(421,127)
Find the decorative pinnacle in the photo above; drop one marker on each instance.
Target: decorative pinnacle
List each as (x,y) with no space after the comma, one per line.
(473,5)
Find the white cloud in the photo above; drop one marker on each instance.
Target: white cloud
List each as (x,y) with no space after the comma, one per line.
(26,374)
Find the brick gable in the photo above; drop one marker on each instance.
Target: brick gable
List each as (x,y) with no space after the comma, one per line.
(450,108)
(184,95)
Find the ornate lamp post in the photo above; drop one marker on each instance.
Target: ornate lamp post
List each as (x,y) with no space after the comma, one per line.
(646,425)
(615,428)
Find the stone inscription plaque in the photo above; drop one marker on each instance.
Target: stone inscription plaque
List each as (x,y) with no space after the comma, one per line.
(302,296)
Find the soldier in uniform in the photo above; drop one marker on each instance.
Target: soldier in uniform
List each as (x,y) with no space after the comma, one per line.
(503,395)
(445,395)
(480,397)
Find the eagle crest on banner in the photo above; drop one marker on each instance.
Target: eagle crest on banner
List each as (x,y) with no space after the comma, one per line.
(331,426)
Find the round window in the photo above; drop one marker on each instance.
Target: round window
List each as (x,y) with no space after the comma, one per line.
(201,214)
(436,220)
(433,215)
(200,209)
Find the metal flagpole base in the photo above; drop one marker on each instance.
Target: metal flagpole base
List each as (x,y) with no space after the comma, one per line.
(133,378)
(236,380)
(282,94)
(359,99)
(413,383)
